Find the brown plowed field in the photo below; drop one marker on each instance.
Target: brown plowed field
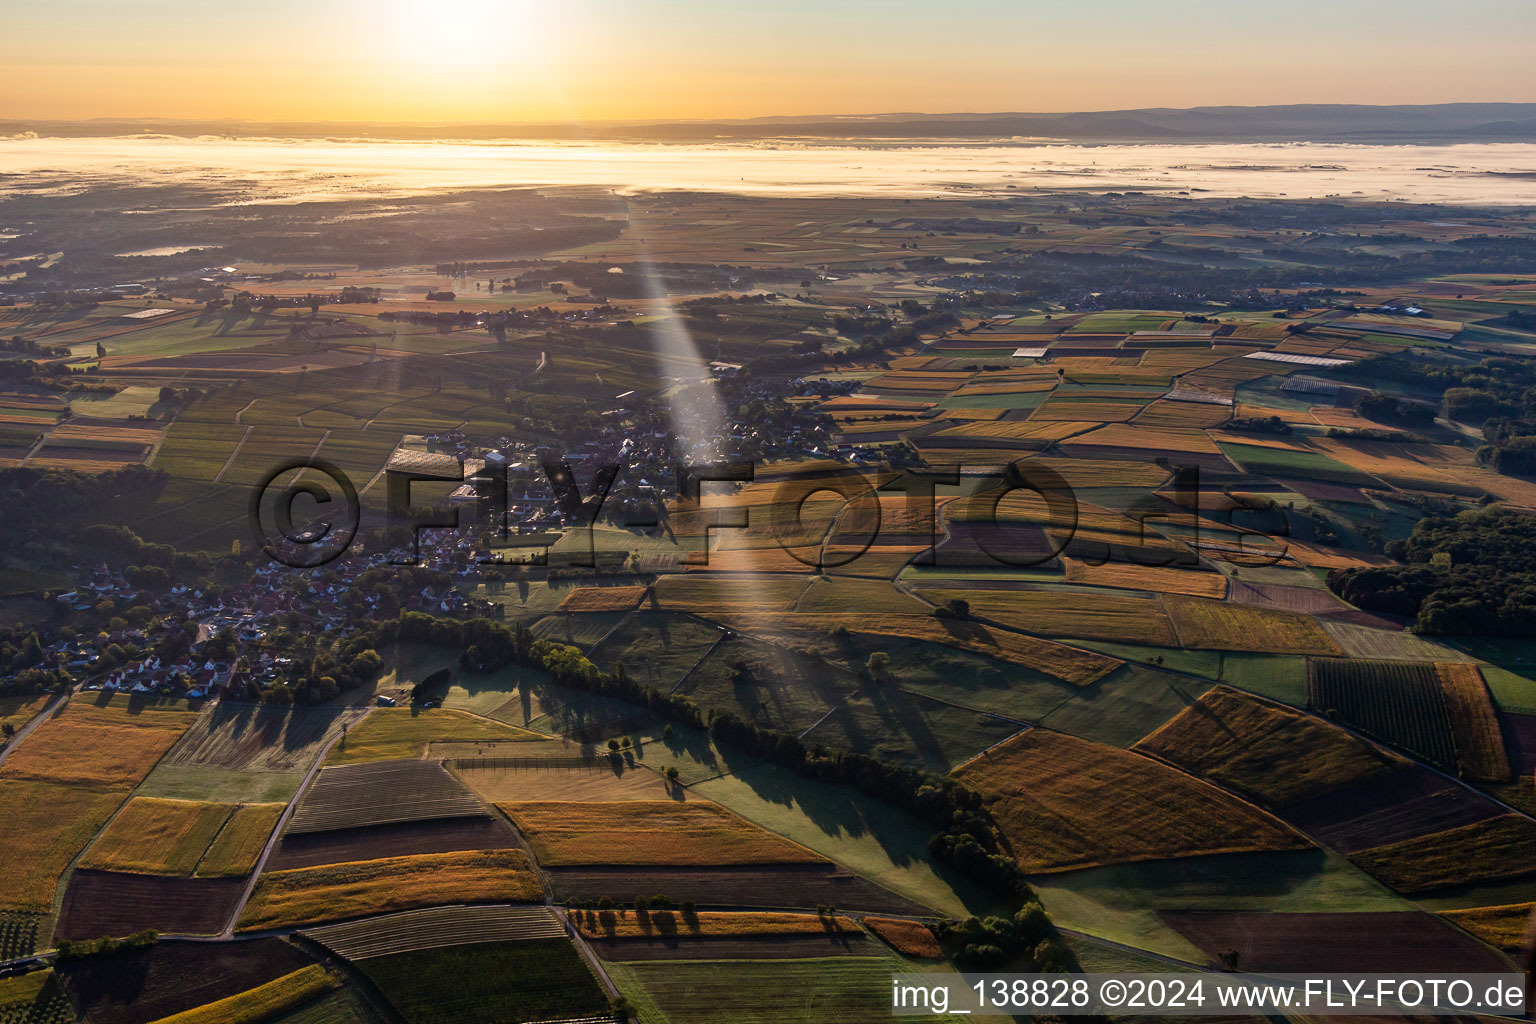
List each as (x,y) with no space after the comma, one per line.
(1300,943)
(402,839)
(165,979)
(101,903)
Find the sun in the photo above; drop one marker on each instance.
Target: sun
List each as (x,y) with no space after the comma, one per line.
(465,40)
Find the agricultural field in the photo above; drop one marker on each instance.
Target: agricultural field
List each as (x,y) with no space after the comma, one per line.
(1122,708)
(16,712)
(488,983)
(708,924)
(1474,724)
(435,928)
(34,998)
(1504,928)
(1484,851)
(1091,616)
(804,886)
(389,733)
(254,738)
(1411,802)
(1266,752)
(98,903)
(656,648)
(1172,643)
(381,793)
(856,990)
(1397,702)
(164,837)
(172,977)
(1065,803)
(1334,942)
(400,839)
(61,784)
(637,833)
(909,938)
(1219,625)
(339,891)
(498,780)
(264,1001)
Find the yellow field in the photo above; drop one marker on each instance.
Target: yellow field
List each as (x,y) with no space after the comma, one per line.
(1158,579)
(1105,472)
(909,938)
(1064,803)
(503,785)
(62,783)
(46,826)
(151,836)
(1096,412)
(1066,613)
(1319,557)
(116,434)
(705,594)
(648,832)
(1019,430)
(1504,928)
(357,888)
(389,733)
(1144,436)
(711,923)
(101,746)
(1163,413)
(602,599)
(1218,625)
(1266,752)
(1474,724)
(263,1002)
(1484,851)
(238,846)
(768,559)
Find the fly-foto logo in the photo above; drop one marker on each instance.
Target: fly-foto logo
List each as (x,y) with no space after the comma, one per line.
(308,512)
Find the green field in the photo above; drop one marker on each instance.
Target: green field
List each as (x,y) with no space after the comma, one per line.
(488,983)
(1126,705)
(1120,903)
(1261,461)
(1275,676)
(221,785)
(851,989)
(883,843)
(656,648)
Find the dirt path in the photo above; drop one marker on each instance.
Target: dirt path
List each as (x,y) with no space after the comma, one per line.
(234,454)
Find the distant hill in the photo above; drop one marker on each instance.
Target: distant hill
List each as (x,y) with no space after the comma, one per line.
(1434,123)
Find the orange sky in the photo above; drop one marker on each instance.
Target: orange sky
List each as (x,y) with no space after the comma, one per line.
(519,60)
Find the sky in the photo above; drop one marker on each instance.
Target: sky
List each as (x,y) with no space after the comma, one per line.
(594,60)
